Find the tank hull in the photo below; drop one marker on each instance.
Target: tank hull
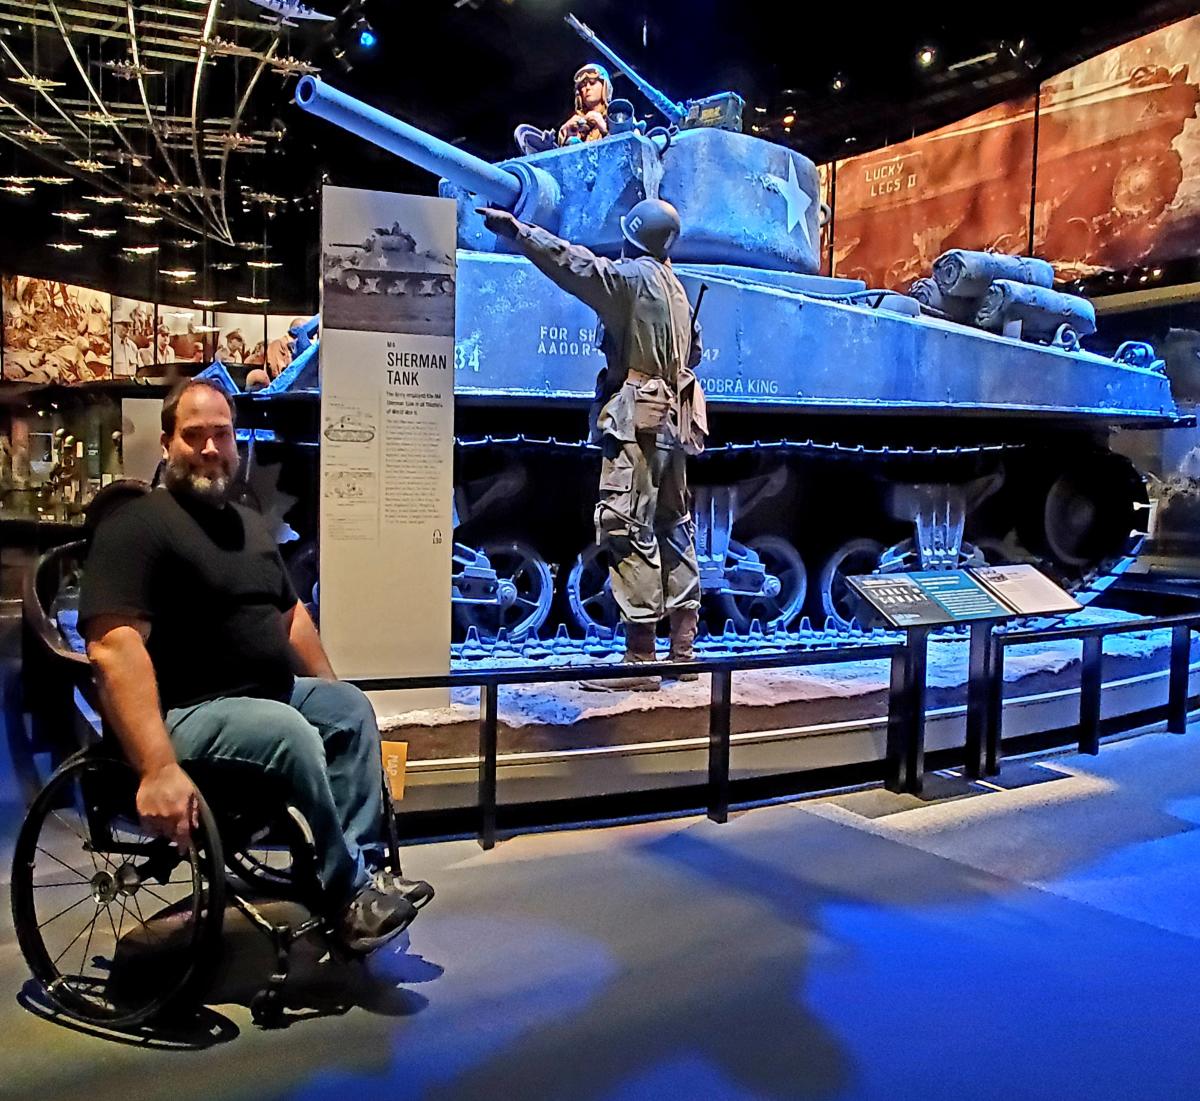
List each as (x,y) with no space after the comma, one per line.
(768,348)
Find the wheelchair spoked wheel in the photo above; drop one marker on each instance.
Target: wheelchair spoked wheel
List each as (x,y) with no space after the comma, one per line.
(277,860)
(116,924)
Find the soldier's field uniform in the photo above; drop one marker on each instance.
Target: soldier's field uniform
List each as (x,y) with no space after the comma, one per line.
(651,417)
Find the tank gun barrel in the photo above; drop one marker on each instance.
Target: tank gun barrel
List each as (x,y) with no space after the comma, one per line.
(662,102)
(424,150)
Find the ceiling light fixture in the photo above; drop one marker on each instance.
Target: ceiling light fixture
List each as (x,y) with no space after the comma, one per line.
(926,56)
(17,189)
(38,137)
(38,83)
(252,300)
(100,118)
(208,303)
(178,273)
(87,164)
(66,246)
(144,219)
(72,215)
(102,200)
(95,231)
(139,251)
(263,264)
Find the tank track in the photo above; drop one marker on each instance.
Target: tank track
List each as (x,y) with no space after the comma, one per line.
(810,446)
(565,647)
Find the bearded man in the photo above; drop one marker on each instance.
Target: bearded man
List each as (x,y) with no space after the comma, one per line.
(205,657)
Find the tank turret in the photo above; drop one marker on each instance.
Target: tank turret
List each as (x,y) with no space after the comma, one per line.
(743,201)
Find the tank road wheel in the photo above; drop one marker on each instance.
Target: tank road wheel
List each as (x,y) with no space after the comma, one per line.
(1090,510)
(855,557)
(589,592)
(783,564)
(352,281)
(526,591)
(1144,187)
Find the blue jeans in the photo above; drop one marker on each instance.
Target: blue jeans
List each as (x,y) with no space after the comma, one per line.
(323,746)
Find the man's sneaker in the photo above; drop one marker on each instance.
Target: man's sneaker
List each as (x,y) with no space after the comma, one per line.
(416,891)
(377,913)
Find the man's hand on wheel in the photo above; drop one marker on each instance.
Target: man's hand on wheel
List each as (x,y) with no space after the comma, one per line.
(167,804)
(500,222)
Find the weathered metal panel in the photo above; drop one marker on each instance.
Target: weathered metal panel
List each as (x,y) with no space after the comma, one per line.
(777,349)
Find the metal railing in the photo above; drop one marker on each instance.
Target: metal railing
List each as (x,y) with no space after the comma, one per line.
(905,755)
(985,680)
(906,707)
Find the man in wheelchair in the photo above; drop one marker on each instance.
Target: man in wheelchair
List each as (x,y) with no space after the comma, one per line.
(204,655)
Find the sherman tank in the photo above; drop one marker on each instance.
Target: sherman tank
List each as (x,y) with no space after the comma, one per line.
(388,262)
(852,429)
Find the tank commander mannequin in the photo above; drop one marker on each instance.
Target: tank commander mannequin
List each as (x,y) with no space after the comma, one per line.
(593,94)
(204,656)
(588,122)
(651,416)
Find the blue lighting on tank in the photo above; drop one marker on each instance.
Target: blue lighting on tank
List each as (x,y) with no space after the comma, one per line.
(367,38)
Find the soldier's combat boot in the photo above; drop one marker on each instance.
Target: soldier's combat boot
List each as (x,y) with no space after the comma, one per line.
(639,647)
(683,635)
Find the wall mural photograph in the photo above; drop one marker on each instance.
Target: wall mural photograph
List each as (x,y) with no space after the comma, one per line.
(55,332)
(133,327)
(181,340)
(1117,181)
(1119,157)
(966,185)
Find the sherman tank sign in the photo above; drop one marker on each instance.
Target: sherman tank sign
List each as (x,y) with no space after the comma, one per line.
(387,435)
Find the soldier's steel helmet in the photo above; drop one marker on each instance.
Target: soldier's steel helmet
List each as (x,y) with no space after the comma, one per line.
(593,69)
(652,226)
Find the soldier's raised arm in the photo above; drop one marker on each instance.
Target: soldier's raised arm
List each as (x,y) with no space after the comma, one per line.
(594,280)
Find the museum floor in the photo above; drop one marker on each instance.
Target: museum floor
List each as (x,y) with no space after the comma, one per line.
(1036,940)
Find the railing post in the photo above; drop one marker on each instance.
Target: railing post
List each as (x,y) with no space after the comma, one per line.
(719,714)
(906,715)
(488,695)
(1177,693)
(1090,679)
(994,717)
(979,674)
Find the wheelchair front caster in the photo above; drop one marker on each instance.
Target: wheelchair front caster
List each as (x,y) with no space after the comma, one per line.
(266,1008)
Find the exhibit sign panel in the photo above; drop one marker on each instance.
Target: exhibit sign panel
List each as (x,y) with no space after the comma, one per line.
(1025,590)
(387,436)
(937,598)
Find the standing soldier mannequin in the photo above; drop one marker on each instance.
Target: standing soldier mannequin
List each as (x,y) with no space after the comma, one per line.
(651,417)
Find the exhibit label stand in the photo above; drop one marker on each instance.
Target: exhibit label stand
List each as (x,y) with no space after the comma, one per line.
(918,602)
(387,437)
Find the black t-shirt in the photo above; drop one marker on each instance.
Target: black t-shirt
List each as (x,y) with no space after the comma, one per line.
(211,584)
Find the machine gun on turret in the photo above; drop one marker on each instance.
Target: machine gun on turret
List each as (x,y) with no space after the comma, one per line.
(722,111)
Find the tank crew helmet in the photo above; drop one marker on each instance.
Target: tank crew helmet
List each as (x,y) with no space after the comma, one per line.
(652,226)
(592,71)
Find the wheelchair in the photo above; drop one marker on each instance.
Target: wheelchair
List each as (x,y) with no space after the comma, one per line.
(120,927)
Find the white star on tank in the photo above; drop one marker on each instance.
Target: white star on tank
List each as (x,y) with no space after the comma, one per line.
(797,201)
